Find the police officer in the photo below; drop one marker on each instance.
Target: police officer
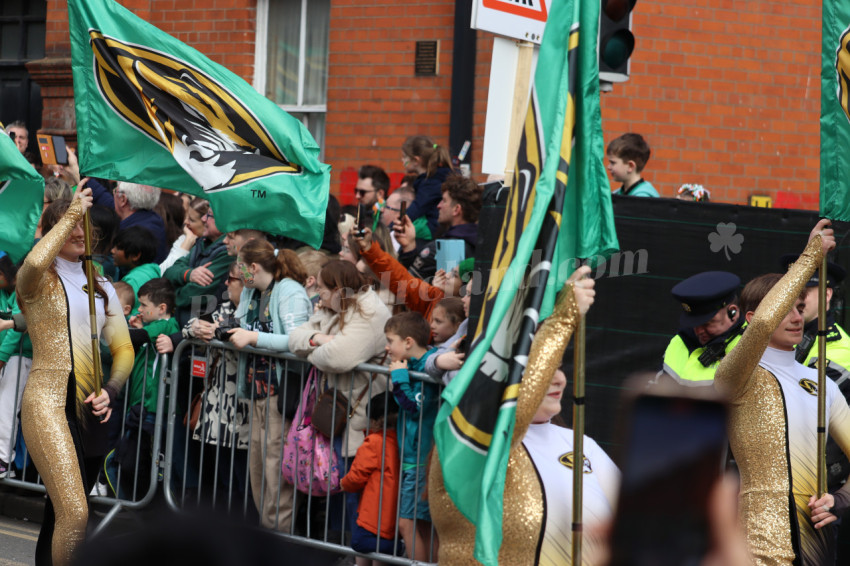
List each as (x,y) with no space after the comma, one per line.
(710,325)
(837,354)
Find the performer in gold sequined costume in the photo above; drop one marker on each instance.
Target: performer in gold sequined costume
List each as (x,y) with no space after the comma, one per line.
(524,507)
(773,421)
(59,400)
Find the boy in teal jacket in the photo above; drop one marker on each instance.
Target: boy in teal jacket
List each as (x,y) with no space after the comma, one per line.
(408,334)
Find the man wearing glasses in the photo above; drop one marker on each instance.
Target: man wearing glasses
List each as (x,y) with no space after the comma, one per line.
(372,186)
(198,278)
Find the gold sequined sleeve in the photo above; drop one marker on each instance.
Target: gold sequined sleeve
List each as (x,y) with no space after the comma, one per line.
(45,251)
(733,374)
(544,358)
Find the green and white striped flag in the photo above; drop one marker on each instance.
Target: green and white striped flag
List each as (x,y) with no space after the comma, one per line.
(559,209)
(21,198)
(152,110)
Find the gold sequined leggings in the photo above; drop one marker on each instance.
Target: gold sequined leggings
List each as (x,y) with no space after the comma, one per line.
(49,442)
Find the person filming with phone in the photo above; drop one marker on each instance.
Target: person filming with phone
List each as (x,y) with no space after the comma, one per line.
(458,210)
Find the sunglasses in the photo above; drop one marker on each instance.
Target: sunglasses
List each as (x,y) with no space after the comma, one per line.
(363,192)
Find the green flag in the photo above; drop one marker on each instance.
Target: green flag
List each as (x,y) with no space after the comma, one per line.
(559,209)
(21,198)
(835,111)
(152,110)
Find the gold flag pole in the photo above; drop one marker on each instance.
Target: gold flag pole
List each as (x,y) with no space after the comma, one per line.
(821,462)
(578,439)
(95,342)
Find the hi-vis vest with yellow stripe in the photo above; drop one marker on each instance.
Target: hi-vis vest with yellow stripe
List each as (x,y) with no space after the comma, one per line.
(837,354)
(685,367)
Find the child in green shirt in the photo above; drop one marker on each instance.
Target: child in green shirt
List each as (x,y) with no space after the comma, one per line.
(156,303)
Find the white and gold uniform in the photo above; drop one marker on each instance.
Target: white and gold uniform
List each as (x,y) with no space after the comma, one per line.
(773,430)
(56,308)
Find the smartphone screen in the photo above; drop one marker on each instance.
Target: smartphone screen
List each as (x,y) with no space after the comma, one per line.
(449,254)
(675,449)
(60,150)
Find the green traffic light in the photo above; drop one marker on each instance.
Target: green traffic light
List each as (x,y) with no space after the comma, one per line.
(617,48)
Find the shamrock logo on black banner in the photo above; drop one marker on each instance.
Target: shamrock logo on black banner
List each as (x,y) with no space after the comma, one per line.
(726,239)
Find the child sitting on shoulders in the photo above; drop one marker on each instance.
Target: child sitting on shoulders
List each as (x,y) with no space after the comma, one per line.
(407,345)
(377,483)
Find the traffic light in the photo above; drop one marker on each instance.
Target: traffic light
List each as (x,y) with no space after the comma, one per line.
(616,41)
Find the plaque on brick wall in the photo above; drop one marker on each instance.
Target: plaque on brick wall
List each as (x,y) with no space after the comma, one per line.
(426,58)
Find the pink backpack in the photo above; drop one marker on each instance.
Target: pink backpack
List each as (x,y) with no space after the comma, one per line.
(309,461)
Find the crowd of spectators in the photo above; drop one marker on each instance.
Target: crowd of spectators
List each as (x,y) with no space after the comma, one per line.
(371,289)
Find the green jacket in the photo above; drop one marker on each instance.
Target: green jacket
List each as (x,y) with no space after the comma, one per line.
(204,251)
(682,363)
(144,379)
(137,277)
(12,342)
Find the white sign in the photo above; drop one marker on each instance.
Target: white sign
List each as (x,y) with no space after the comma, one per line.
(497,123)
(519,19)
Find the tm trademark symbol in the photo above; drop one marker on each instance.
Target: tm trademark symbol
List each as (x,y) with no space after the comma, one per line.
(258,193)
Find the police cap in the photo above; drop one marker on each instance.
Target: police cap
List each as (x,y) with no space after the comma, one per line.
(834,273)
(703,294)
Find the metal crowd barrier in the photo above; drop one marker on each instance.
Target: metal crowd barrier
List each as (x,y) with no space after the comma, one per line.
(316,521)
(26,477)
(196,473)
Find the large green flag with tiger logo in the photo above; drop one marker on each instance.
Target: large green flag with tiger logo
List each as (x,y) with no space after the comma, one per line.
(559,209)
(152,110)
(835,111)
(21,198)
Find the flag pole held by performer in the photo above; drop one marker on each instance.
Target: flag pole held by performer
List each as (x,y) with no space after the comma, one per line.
(578,438)
(95,341)
(822,361)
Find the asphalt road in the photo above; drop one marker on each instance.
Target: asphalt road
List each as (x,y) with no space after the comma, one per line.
(17,539)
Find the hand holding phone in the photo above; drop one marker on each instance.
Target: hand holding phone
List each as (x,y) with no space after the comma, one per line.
(358,232)
(405,233)
(53,150)
(363,237)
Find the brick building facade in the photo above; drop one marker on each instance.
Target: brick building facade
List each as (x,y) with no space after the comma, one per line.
(727,92)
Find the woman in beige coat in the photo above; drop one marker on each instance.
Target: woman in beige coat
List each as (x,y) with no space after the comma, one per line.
(347,329)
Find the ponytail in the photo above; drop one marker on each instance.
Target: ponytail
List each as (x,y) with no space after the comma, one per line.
(280,263)
(431,154)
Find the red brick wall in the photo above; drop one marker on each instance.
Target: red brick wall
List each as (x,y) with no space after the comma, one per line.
(727,93)
(374,99)
(223,30)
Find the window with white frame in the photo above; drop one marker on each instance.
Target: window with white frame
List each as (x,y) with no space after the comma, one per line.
(291,62)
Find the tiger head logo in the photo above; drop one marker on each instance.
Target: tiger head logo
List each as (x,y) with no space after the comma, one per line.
(842,67)
(209,131)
